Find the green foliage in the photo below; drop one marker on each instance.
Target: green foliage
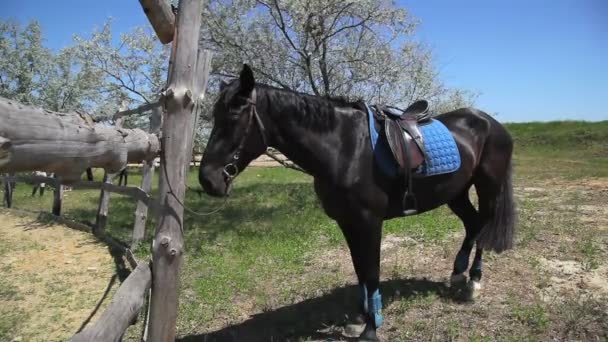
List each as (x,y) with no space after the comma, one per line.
(95,74)
(24,61)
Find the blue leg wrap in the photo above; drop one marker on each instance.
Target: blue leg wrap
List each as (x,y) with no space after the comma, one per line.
(375,308)
(363,297)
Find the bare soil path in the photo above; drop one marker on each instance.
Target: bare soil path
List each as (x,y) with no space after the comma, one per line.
(51,278)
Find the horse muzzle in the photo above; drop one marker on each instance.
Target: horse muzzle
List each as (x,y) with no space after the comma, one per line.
(215,182)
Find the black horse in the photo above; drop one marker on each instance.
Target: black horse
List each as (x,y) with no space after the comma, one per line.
(329,138)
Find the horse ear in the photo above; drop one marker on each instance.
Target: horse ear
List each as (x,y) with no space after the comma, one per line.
(223,85)
(246,80)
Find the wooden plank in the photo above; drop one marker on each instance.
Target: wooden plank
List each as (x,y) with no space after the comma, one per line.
(133,192)
(161,18)
(141,212)
(122,311)
(139,110)
(168,245)
(33,139)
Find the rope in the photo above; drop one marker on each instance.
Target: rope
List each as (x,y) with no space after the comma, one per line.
(172,193)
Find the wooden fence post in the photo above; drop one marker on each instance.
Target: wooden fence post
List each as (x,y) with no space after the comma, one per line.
(57,196)
(203,69)
(8,192)
(141,213)
(168,244)
(102,210)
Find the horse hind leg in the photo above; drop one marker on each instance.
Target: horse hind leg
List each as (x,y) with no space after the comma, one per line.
(495,220)
(464,209)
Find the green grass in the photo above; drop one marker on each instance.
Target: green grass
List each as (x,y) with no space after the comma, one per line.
(272,230)
(570,149)
(532,315)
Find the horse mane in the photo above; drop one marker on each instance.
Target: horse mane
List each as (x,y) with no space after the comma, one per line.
(341,101)
(314,112)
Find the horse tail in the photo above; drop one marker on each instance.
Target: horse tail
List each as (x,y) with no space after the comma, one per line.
(498,232)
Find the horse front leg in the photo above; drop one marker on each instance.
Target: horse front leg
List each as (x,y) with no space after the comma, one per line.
(364,239)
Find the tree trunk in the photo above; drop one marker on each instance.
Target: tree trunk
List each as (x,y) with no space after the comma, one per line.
(33,139)
(168,245)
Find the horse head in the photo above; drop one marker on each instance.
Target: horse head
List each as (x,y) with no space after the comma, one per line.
(237,136)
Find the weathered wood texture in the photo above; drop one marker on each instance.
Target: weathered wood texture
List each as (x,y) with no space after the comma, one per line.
(161,17)
(122,311)
(141,212)
(203,69)
(168,245)
(131,191)
(139,110)
(33,139)
(102,209)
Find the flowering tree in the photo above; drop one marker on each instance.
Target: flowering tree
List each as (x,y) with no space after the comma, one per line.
(359,49)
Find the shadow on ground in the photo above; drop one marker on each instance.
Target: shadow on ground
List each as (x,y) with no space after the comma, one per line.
(311,318)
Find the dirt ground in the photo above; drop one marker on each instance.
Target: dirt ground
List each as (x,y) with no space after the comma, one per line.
(51,278)
(552,286)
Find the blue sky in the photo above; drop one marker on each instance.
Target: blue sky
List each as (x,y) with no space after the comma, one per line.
(533,60)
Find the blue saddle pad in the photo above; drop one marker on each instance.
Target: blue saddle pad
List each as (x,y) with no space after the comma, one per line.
(442,155)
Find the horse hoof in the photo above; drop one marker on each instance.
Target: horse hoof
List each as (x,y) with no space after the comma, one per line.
(473,289)
(457,279)
(368,336)
(353,329)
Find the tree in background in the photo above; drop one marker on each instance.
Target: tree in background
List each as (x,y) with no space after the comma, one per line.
(23,61)
(96,74)
(133,69)
(358,49)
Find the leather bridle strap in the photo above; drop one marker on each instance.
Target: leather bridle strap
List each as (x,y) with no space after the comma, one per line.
(231,170)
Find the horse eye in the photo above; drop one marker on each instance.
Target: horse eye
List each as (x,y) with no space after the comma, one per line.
(233,116)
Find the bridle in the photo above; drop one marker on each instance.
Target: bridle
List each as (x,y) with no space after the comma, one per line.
(231,170)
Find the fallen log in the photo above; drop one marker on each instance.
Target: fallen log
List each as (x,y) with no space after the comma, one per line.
(34,139)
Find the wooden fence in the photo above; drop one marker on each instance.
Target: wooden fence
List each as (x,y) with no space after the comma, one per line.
(186,85)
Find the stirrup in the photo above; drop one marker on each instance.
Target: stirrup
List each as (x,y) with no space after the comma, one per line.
(410,205)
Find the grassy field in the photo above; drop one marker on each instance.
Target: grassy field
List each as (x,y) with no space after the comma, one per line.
(272,266)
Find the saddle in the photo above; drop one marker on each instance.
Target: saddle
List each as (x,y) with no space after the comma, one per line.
(402,132)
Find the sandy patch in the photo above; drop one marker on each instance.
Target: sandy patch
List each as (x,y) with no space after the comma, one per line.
(58,275)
